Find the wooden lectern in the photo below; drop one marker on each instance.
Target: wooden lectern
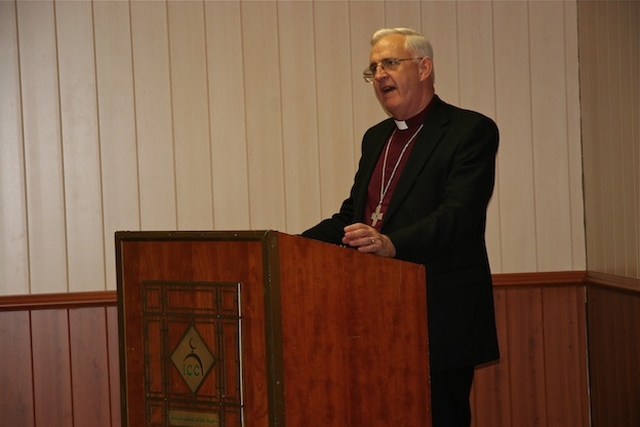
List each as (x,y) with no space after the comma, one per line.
(260,328)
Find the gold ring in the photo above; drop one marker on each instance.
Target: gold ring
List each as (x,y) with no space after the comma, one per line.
(372,240)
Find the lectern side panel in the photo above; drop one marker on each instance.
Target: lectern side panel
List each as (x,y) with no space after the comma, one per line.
(194,346)
(389,361)
(354,338)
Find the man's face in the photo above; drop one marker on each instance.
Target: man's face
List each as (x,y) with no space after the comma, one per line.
(398,90)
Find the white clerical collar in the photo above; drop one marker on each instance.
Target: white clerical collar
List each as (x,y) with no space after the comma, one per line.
(401,124)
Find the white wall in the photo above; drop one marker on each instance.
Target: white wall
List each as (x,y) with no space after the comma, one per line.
(610,109)
(186,115)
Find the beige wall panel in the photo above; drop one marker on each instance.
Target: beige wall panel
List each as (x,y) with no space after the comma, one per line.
(598,129)
(227,116)
(627,187)
(14,255)
(630,56)
(634,88)
(549,120)
(589,123)
(613,141)
(574,141)
(610,95)
(80,145)
(513,104)
(299,113)
(42,147)
(365,18)
(264,113)
(475,56)
(335,75)
(402,13)
(190,115)
(477,92)
(631,109)
(607,260)
(154,123)
(114,74)
(231,115)
(439,25)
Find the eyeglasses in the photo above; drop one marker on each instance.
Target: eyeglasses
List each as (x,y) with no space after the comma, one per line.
(386,64)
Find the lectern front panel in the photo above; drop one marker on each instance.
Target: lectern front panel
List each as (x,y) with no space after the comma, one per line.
(189,308)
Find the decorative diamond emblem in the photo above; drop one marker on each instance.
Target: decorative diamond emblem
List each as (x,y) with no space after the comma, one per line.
(192,359)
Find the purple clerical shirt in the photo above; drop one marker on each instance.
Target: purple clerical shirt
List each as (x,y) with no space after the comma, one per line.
(396,143)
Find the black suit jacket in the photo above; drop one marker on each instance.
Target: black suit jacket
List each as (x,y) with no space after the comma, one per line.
(437,217)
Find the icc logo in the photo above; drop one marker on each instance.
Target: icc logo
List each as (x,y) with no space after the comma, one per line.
(192,364)
(192,359)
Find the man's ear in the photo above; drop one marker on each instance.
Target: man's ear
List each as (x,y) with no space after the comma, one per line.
(426,68)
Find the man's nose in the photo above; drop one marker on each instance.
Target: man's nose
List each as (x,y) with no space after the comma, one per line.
(380,75)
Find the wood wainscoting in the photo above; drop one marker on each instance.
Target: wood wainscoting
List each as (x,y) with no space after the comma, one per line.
(613,318)
(541,379)
(60,362)
(60,357)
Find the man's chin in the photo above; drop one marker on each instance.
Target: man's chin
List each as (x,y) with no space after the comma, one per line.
(389,102)
(391,109)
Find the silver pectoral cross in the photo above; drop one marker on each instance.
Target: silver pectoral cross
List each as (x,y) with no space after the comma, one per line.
(377,215)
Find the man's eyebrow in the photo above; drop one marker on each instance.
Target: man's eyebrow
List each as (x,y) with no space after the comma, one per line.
(381,60)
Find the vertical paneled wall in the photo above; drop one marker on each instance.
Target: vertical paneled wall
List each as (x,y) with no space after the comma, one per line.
(60,359)
(614,354)
(128,115)
(60,367)
(610,99)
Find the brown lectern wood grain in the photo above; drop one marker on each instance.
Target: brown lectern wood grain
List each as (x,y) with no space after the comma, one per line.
(265,329)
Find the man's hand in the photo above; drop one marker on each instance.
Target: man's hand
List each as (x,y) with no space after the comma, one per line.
(367,239)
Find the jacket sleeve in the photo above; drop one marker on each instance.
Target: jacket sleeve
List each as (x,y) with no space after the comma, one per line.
(331,230)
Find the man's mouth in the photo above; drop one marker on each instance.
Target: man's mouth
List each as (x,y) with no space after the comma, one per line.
(387,89)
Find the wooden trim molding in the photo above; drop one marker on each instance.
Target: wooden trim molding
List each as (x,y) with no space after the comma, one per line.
(612,281)
(551,278)
(59,300)
(109,298)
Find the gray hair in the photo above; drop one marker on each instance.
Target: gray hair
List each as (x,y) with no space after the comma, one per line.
(414,41)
